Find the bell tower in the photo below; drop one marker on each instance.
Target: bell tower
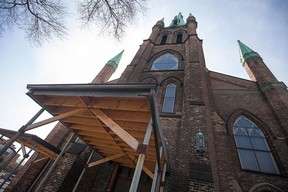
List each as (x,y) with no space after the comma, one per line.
(172,57)
(274,91)
(108,70)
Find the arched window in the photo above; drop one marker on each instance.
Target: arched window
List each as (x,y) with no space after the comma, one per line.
(165,62)
(163,40)
(253,150)
(169,98)
(179,38)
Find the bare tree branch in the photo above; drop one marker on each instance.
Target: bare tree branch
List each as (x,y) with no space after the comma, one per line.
(43,19)
(112,15)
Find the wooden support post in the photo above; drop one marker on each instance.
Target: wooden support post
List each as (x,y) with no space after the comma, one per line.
(140,161)
(53,119)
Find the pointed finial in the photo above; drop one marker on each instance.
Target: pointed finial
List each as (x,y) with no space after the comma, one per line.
(191,17)
(246,52)
(177,21)
(115,60)
(160,22)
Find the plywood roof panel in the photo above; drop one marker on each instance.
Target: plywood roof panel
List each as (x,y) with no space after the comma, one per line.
(126,106)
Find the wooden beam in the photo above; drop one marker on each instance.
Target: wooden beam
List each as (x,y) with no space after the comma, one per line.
(125,104)
(105,160)
(41,159)
(119,131)
(52,119)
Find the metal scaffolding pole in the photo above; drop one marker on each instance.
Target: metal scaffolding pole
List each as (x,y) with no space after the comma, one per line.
(20,132)
(156,172)
(53,166)
(14,170)
(83,171)
(140,161)
(43,170)
(10,159)
(163,177)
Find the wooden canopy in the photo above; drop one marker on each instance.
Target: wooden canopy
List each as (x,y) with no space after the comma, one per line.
(111,118)
(33,142)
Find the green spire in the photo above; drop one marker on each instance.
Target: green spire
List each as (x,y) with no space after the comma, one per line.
(177,21)
(115,60)
(246,52)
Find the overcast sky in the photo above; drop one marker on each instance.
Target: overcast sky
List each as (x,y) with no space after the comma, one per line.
(260,24)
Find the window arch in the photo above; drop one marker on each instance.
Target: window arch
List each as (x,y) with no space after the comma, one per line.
(252,147)
(163,39)
(166,61)
(169,98)
(179,38)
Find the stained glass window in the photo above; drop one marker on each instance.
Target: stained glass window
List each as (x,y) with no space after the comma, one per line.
(169,98)
(166,61)
(252,147)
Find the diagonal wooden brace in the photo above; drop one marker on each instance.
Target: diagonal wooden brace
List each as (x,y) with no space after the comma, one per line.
(105,160)
(119,131)
(52,119)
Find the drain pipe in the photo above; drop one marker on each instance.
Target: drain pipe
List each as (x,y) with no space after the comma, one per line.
(53,166)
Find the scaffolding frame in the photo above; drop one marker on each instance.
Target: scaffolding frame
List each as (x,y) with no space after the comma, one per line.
(116,115)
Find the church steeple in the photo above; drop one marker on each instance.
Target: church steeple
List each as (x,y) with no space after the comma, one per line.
(246,52)
(255,66)
(115,60)
(108,70)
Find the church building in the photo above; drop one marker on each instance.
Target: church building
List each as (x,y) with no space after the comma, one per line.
(166,124)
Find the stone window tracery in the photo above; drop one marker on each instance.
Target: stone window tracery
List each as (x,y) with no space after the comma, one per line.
(253,150)
(166,61)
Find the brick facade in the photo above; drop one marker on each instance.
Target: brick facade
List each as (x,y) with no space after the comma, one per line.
(206,101)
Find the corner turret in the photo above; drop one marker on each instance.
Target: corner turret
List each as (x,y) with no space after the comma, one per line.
(246,52)
(108,70)
(191,24)
(156,29)
(254,65)
(115,60)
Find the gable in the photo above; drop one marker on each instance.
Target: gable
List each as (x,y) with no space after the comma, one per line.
(222,81)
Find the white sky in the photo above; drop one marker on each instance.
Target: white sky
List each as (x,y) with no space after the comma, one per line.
(260,24)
